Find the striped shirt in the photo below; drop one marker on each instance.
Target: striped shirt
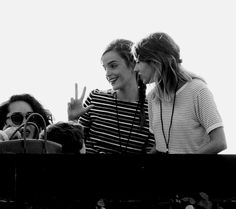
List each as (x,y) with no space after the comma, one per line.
(195,116)
(113,126)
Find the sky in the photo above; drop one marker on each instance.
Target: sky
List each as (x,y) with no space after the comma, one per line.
(48,45)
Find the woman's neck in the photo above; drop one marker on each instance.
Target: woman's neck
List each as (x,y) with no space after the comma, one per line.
(128,94)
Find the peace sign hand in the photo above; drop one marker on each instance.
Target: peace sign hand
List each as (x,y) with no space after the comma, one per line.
(75,107)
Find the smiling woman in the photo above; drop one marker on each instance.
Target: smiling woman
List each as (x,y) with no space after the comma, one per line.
(117,121)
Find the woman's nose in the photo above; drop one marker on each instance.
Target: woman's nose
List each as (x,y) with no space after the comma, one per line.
(108,73)
(24,120)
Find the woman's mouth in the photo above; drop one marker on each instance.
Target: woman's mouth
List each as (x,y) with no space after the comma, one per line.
(27,132)
(112,81)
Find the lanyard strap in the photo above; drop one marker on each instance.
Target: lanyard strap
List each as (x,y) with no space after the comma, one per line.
(167,141)
(118,124)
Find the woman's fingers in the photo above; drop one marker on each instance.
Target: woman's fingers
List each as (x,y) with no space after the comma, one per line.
(76,91)
(83,93)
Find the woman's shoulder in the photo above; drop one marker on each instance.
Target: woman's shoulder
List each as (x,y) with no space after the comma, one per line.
(197,84)
(198,87)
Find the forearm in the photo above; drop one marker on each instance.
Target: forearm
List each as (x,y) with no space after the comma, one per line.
(217,142)
(212,148)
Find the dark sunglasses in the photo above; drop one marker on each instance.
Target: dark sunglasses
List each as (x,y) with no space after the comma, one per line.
(17,118)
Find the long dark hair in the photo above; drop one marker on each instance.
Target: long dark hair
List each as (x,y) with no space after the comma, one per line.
(124,48)
(35,105)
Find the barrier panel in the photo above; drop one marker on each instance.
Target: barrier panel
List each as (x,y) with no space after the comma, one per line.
(47,178)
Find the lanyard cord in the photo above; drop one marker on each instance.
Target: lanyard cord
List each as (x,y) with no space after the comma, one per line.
(118,124)
(171,120)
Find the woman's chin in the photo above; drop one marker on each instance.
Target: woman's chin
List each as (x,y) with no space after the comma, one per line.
(115,87)
(30,135)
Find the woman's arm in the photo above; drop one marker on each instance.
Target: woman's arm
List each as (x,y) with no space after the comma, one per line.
(217,142)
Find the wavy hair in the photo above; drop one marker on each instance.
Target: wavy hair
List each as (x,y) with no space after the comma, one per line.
(161,52)
(35,105)
(124,48)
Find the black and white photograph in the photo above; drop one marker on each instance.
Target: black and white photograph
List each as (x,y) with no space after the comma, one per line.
(117,104)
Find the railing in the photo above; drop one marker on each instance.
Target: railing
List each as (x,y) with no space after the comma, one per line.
(52,177)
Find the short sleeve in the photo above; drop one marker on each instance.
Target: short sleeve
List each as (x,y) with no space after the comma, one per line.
(206,110)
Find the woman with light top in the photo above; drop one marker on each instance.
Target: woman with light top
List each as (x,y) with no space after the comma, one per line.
(182,112)
(115,120)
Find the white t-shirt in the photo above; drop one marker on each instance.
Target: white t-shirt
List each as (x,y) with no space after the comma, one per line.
(195,116)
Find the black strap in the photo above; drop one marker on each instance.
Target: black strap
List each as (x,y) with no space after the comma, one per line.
(118,124)
(167,141)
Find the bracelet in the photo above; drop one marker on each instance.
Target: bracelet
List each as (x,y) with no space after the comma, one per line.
(4,136)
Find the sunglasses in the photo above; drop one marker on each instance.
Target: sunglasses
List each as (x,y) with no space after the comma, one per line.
(17,118)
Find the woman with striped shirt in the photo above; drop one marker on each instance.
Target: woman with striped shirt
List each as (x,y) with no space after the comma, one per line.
(115,120)
(182,113)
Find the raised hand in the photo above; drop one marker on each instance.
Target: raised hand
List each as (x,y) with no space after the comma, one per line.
(10,130)
(75,107)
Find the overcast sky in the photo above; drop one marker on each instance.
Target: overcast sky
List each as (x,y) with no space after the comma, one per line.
(48,45)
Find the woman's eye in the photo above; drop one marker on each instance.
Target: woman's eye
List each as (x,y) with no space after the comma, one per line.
(112,66)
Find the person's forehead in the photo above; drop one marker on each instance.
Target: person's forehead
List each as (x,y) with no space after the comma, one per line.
(110,57)
(20,106)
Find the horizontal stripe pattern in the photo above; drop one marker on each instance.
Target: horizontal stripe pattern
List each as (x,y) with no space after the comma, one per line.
(195,115)
(102,128)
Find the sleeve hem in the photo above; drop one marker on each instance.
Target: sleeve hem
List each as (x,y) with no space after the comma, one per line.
(217,125)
